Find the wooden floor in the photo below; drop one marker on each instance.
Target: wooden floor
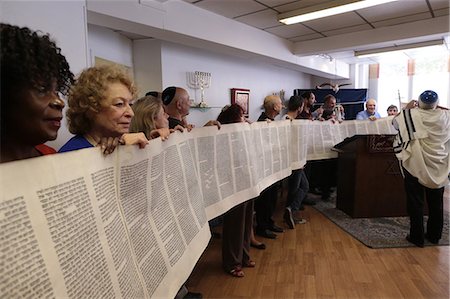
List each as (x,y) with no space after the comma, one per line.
(319,260)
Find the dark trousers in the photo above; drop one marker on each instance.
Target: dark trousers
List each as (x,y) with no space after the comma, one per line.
(265,205)
(322,174)
(328,176)
(415,194)
(237,228)
(298,187)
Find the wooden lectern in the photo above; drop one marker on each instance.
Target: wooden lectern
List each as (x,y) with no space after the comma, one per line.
(369,181)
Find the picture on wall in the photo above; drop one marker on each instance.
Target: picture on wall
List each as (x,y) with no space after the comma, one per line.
(98,61)
(241,97)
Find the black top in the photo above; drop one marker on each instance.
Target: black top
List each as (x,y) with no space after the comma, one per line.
(173,122)
(264,117)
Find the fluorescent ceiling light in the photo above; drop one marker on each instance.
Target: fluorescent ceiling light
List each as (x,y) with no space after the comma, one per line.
(379,51)
(326,10)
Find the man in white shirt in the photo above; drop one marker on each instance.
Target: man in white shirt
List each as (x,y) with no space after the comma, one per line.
(370,112)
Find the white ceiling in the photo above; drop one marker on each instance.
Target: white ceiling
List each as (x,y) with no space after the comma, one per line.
(262,14)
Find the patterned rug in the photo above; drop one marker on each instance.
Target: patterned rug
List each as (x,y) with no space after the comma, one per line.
(383,232)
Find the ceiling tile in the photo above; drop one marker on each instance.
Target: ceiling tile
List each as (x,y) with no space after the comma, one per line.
(306,37)
(439,4)
(402,20)
(230,8)
(257,14)
(393,10)
(290,31)
(273,3)
(349,29)
(262,20)
(441,12)
(299,4)
(335,22)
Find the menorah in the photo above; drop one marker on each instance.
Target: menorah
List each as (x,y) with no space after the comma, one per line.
(200,80)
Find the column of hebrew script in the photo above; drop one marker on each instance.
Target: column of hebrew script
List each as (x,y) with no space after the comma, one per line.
(267,151)
(161,211)
(240,162)
(223,162)
(326,134)
(275,145)
(22,270)
(319,147)
(207,170)
(175,180)
(361,127)
(134,202)
(303,140)
(285,144)
(351,128)
(193,183)
(67,208)
(299,144)
(335,133)
(372,128)
(258,157)
(295,144)
(104,186)
(252,162)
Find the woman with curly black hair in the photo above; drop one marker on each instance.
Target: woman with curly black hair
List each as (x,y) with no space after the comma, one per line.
(34,75)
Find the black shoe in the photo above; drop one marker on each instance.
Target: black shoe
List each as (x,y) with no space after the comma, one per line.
(191,295)
(410,240)
(308,201)
(260,246)
(288,218)
(276,229)
(431,240)
(266,234)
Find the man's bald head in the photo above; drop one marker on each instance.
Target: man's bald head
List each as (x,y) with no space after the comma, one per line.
(272,105)
(371,106)
(177,102)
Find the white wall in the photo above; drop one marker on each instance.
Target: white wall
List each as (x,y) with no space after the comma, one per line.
(159,64)
(65,21)
(144,56)
(183,23)
(109,45)
(227,72)
(70,31)
(147,65)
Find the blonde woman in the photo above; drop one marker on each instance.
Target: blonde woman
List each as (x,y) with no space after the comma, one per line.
(150,118)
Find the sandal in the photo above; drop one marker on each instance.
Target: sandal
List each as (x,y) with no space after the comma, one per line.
(249,264)
(237,271)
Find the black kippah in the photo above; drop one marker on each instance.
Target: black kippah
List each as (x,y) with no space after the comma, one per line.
(168,94)
(152,93)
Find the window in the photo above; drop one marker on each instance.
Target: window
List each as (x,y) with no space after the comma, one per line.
(431,72)
(392,84)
